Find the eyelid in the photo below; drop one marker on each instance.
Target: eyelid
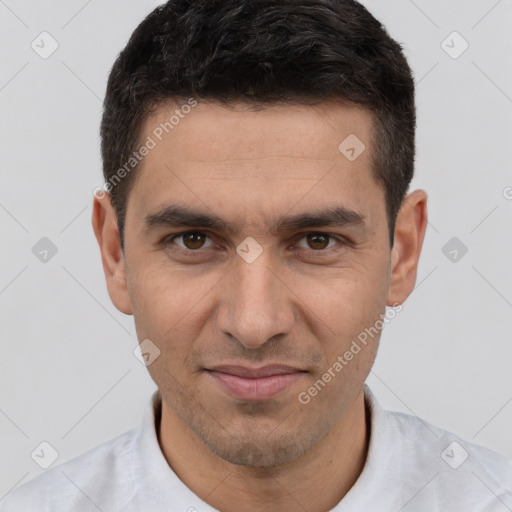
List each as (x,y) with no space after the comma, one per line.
(170,238)
(299,236)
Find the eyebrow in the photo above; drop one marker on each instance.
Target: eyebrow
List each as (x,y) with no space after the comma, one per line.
(177,216)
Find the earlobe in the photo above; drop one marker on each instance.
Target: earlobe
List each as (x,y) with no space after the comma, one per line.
(105,227)
(411,224)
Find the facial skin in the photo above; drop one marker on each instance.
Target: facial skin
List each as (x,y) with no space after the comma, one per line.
(301,302)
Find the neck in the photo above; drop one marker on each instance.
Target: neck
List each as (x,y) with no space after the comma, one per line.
(316,481)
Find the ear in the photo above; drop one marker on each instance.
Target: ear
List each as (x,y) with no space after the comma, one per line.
(411,224)
(104,223)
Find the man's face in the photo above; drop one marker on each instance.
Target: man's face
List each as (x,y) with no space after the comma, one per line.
(301,302)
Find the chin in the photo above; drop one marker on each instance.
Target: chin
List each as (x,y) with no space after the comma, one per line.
(257,453)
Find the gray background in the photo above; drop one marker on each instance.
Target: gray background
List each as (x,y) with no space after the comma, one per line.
(68,373)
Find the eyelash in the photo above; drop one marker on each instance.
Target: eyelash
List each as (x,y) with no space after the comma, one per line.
(320,252)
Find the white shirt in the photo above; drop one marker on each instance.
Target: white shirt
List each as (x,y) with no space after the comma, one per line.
(411,466)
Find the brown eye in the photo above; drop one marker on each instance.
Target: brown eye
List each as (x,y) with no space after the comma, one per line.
(192,240)
(318,240)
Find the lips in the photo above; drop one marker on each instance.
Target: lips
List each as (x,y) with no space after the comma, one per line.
(255,384)
(254,373)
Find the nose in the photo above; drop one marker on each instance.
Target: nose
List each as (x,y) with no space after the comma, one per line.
(256,304)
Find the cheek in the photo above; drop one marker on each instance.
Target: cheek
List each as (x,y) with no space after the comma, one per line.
(169,306)
(348,300)
(152,298)
(348,314)
(352,310)
(165,310)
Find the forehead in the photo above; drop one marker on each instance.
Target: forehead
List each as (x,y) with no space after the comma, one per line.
(280,155)
(214,132)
